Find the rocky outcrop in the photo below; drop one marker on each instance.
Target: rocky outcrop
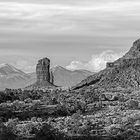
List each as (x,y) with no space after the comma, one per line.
(43,75)
(43,70)
(124,72)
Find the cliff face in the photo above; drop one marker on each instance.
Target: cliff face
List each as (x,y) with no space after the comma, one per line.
(124,72)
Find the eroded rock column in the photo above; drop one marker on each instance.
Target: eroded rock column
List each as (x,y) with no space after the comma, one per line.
(43,70)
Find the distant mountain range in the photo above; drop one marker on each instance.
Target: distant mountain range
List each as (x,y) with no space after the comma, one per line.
(11,77)
(66,78)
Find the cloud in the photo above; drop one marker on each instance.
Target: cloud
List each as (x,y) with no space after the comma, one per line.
(97,62)
(25,63)
(73,17)
(25,66)
(53,28)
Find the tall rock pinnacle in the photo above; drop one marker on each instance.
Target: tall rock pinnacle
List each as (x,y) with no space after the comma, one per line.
(43,70)
(43,75)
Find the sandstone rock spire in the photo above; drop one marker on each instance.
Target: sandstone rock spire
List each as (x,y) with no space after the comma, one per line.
(43,70)
(43,75)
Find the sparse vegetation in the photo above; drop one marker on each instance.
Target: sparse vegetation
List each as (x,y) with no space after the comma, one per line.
(61,114)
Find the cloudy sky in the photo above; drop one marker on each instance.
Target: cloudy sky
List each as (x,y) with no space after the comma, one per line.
(76,34)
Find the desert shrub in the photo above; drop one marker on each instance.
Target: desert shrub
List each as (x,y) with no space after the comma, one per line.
(33,119)
(24,128)
(129,134)
(91,96)
(121,98)
(114,129)
(47,132)
(62,110)
(132,104)
(28,100)
(5,133)
(11,124)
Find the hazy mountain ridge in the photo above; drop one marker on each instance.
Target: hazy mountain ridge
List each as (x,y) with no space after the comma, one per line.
(67,78)
(11,77)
